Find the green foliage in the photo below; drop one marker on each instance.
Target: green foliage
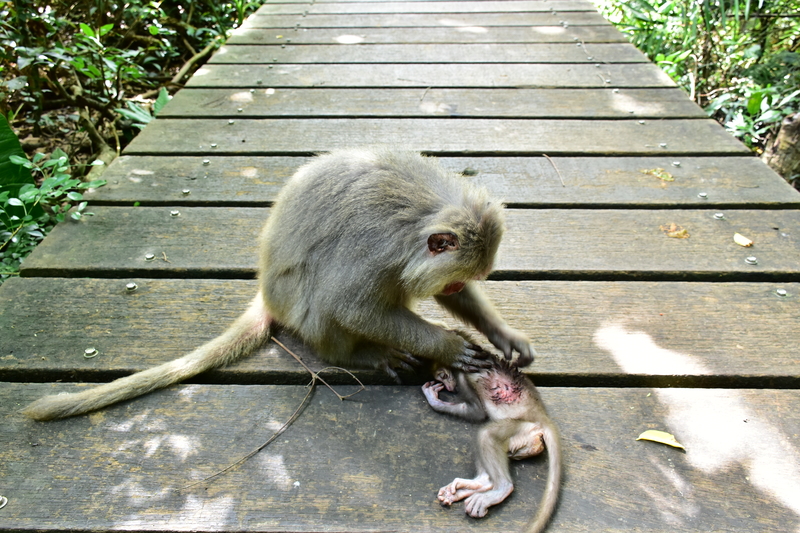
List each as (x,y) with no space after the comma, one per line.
(72,67)
(98,54)
(30,212)
(738,59)
(12,176)
(140,116)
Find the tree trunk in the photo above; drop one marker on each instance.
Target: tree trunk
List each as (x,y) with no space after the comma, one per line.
(782,153)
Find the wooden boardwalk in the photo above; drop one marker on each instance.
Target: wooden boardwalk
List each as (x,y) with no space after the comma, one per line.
(636,330)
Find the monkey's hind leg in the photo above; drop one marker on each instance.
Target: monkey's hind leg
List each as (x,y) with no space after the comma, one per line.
(492,462)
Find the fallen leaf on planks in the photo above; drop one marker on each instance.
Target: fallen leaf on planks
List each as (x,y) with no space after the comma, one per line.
(741,240)
(661,437)
(675,231)
(659,173)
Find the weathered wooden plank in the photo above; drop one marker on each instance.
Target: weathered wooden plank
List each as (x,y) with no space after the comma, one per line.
(521,181)
(478,103)
(544,243)
(47,324)
(437,135)
(596,53)
(502,6)
(428,75)
(412,20)
(461,34)
(375,463)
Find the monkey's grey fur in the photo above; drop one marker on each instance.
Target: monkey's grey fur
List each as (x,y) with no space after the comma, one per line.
(518,428)
(353,240)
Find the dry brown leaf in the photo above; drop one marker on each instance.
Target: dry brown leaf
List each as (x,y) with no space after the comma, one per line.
(675,231)
(659,173)
(661,437)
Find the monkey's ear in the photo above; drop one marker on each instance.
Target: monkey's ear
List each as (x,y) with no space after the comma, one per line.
(442,242)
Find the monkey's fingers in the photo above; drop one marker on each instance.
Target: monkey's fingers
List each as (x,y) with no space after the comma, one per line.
(527,353)
(386,367)
(404,360)
(473,361)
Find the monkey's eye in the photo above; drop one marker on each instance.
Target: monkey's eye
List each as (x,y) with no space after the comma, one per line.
(442,242)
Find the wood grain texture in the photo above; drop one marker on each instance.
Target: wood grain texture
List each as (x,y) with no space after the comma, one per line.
(427,75)
(374,463)
(436,135)
(542,243)
(420,103)
(415,20)
(732,182)
(250,34)
(502,6)
(596,53)
(683,334)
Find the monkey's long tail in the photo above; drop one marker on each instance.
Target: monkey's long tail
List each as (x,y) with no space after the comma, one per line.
(552,442)
(247,333)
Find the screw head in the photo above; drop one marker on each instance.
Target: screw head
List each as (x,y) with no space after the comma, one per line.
(186,192)
(230,122)
(662,145)
(751,260)
(174,213)
(130,287)
(782,293)
(259,82)
(88,353)
(719,216)
(702,195)
(642,122)
(213,145)
(676,163)
(149,257)
(206,162)
(240,109)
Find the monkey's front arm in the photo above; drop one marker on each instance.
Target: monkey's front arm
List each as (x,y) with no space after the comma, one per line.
(472,305)
(464,406)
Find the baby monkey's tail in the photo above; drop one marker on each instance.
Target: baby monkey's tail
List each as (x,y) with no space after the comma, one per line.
(247,333)
(552,442)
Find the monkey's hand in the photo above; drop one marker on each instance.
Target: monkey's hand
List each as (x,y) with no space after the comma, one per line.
(396,359)
(508,340)
(472,359)
(431,391)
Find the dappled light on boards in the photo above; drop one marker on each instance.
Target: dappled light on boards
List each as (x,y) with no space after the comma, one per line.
(719,429)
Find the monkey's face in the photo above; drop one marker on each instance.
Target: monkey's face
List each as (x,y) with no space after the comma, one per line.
(445,377)
(457,246)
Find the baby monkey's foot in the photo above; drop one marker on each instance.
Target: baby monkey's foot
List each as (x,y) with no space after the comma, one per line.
(460,488)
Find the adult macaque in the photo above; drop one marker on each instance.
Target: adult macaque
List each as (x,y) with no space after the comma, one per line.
(353,240)
(518,428)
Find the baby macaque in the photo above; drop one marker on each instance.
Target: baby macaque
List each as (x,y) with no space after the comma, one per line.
(353,241)
(518,428)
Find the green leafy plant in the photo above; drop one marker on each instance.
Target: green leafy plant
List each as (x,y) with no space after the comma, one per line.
(30,212)
(739,59)
(140,116)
